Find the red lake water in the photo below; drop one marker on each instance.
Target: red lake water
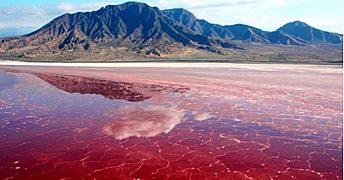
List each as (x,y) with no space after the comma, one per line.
(170,124)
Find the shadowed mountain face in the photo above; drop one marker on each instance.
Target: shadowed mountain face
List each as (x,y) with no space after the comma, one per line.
(139,29)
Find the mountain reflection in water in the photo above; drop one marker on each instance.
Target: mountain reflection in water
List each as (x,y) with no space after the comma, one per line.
(83,85)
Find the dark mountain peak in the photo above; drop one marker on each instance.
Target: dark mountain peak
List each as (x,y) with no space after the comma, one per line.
(132,7)
(108,22)
(127,4)
(199,26)
(137,26)
(298,23)
(295,25)
(179,13)
(308,33)
(182,16)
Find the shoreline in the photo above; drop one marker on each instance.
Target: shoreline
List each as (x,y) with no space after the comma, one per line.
(331,68)
(301,62)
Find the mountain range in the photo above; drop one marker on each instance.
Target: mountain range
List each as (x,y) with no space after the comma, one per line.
(136,30)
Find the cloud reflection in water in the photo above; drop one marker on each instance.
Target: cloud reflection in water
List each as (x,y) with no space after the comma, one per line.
(143,121)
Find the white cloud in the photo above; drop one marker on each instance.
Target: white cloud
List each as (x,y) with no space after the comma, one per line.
(24,19)
(72,8)
(264,14)
(65,6)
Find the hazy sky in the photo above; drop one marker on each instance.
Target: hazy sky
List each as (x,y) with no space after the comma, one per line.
(24,16)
